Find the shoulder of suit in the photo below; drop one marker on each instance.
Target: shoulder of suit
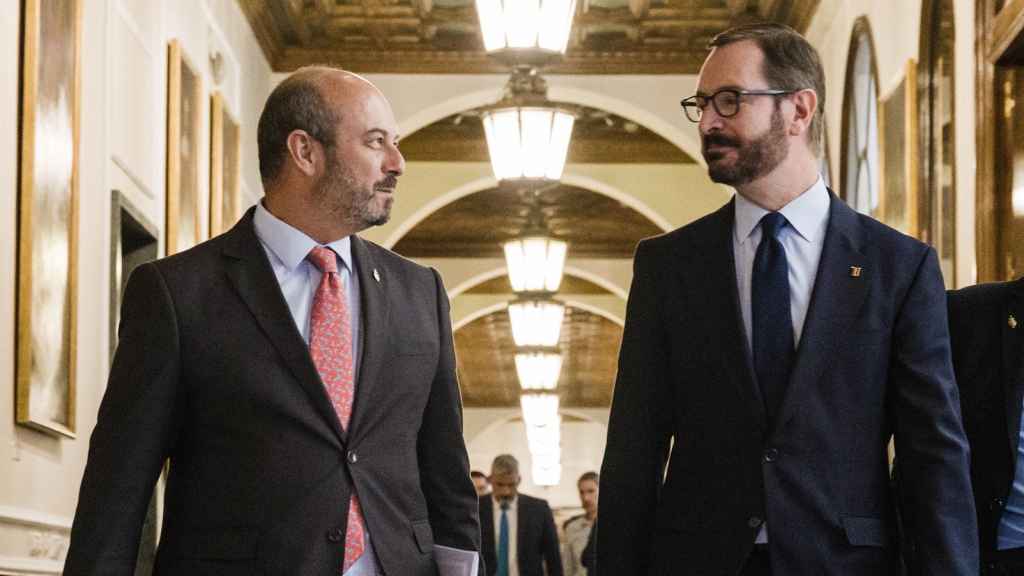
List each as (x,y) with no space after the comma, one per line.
(528,500)
(388,256)
(573,520)
(989,293)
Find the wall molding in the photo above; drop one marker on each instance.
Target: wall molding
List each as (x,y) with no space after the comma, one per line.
(48,536)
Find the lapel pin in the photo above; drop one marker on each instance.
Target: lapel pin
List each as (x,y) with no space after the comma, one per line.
(855,271)
(376,275)
(1011,321)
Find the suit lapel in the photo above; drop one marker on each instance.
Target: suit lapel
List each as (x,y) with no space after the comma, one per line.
(1013,368)
(718,272)
(374,329)
(250,273)
(836,299)
(521,531)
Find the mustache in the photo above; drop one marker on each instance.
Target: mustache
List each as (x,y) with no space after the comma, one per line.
(719,140)
(390,182)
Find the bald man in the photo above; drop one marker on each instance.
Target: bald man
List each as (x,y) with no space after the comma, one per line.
(300,380)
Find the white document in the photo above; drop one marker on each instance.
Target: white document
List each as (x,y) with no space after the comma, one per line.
(456,562)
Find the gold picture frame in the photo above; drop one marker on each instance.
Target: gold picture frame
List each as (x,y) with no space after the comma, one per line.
(48,216)
(225,167)
(898,149)
(184,118)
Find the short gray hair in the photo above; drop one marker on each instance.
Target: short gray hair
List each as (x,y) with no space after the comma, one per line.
(505,464)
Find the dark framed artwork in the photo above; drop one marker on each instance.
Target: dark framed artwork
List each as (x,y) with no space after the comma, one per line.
(48,215)
(184,94)
(898,127)
(225,167)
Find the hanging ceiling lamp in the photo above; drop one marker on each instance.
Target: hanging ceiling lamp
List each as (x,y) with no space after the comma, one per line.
(527,136)
(532,31)
(538,369)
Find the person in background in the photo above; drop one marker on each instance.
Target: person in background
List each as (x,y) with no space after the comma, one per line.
(986,328)
(481,483)
(577,529)
(518,532)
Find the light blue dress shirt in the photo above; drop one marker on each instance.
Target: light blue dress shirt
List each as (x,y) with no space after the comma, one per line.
(1010,533)
(803,238)
(287,248)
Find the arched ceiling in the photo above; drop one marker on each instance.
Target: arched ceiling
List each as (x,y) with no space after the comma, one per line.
(442,36)
(475,226)
(486,360)
(570,285)
(598,137)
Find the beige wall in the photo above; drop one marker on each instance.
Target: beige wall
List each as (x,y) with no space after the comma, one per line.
(121,147)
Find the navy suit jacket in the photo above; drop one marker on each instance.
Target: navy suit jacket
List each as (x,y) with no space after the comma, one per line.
(536,538)
(211,373)
(988,356)
(692,469)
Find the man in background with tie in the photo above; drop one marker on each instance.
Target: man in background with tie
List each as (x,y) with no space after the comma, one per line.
(518,531)
(770,352)
(300,380)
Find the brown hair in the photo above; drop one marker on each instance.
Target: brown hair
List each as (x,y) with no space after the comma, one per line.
(295,104)
(790,63)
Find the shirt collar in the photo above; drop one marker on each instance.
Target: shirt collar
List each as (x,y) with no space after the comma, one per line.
(807,214)
(289,244)
(511,503)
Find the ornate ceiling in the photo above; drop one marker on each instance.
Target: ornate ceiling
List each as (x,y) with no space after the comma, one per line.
(594,225)
(487,370)
(442,36)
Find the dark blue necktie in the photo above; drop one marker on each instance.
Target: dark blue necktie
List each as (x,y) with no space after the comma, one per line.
(503,541)
(771,320)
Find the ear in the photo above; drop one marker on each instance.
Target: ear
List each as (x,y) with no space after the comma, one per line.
(305,152)
(805,103)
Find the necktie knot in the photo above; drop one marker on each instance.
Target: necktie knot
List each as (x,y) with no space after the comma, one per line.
(324,259)
(771,223)
(504,505)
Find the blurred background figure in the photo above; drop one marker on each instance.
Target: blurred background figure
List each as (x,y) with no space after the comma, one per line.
(517,531)
(577,529)
(480,481)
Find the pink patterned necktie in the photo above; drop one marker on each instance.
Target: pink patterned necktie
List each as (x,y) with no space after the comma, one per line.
(330,344)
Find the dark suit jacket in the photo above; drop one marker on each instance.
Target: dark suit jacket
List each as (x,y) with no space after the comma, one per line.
(873,361)
(988,356)
(211,372)
(536,538)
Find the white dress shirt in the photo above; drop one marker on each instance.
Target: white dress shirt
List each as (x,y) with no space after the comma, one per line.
(513,517)
(803,238)
(287,248)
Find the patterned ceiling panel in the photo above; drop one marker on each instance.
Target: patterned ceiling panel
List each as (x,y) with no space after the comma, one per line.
(486,358)
(475,226)
(419,36)
(598,137)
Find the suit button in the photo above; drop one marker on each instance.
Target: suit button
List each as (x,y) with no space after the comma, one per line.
(352,457)
(335,535)
(754,522)
(771,455)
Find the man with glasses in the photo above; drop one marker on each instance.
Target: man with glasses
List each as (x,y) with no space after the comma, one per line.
(771,350)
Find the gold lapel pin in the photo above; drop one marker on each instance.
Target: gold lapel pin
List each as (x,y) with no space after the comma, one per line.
(1011,321)
(376,275)
(855,271)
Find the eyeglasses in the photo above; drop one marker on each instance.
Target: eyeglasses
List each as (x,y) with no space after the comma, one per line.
(726,101)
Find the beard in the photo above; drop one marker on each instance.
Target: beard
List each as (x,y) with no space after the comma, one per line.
(341,195)
(755,158)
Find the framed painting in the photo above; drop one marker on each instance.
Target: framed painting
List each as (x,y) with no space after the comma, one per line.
(184,116)
(48,216)
(225,167)
(898,131)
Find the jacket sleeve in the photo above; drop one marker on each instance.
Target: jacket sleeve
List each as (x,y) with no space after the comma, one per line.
(136,428)
(552,555)
(441,448)
(638,429)
(930,442)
